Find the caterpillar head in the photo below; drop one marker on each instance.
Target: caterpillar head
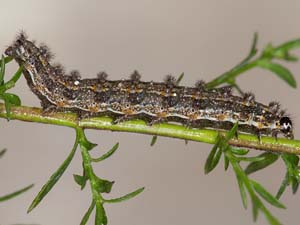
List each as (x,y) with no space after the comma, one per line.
(22,50)
(286,127)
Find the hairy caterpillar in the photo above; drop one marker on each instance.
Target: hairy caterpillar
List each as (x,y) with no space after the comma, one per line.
(152,101)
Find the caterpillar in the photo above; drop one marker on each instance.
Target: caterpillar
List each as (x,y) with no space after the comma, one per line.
(154,102)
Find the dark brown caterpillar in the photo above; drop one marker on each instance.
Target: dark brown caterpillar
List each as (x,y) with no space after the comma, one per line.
(152,101)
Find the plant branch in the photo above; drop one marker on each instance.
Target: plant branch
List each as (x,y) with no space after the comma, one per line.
(32,114)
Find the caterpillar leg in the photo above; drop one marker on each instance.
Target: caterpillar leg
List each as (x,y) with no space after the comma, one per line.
(119,119)
(275,134)
(49,108)
(152,121)
(122,118)
(258,134)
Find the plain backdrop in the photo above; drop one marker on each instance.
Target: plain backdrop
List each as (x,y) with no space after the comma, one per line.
(202,38)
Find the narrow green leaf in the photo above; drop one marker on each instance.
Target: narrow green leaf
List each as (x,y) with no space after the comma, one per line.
(226,162)
(229,76)
(251,159)
(106,155)
(153,140)
(80,180)
(292,159)
(231,133)
(14,194)
(239,151)
(295,186)
(282,51)
(283,186)
(2,70)
(281,71)
(255,166)
(12,98)
(100,218)
(12,82)
(7,105)
(283,55)
(16,76)
(253,49)
(287,46)
(209,161)
(179,78)
(7,59)
(266,195)
(254,210)
(103,186)
(125,197)
(2,152)
(271,219)
(9,100)
(88,213)
(297,173)
(55,177)
(216,159)
(242,191)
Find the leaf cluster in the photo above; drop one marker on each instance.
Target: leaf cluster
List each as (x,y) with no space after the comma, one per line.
(235,156)
(98,185)
(9,99)
(265,60)
(256,192)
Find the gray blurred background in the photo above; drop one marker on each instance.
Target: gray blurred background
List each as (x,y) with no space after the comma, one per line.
(201,38)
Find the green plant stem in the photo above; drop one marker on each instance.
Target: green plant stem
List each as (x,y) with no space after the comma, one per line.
(232,74)
(32,114)
(100,218)
(90,173)
(14,194)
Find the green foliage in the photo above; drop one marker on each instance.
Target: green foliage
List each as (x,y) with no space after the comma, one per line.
(261,161)
(216,152)
(88,213)
(264,61)
(8,98)
(245,184)
(54,178)
(292,174)
(153,140)
(14,194)
(98,185)
(233,156)
(108,154)
(125,197)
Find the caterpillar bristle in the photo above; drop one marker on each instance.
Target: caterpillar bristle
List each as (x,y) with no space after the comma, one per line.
(102,76)
(75,75)
(45,51)
(135,76)
(22,35)
(200,84)
(249,97)
(274,107)
(58,69)
(170,80)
